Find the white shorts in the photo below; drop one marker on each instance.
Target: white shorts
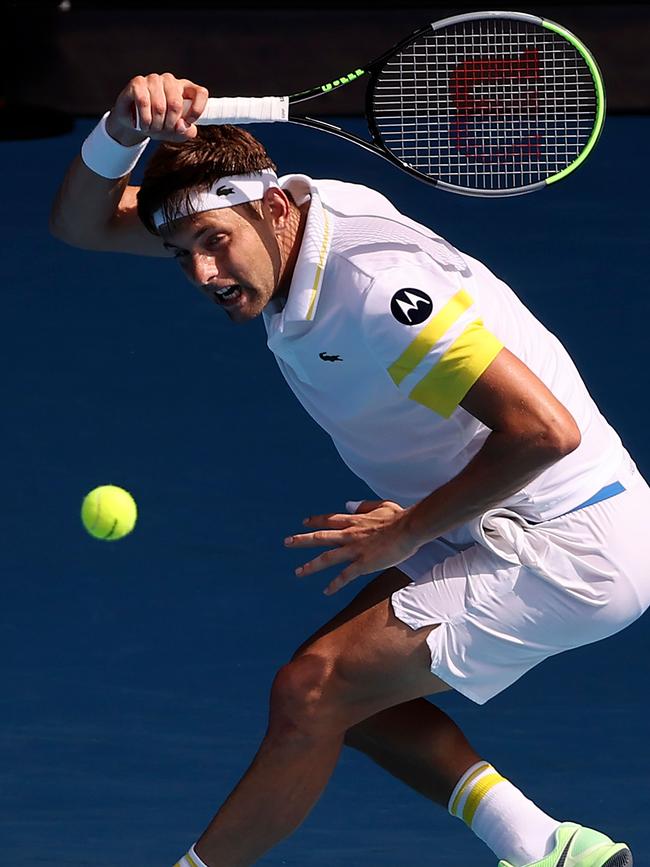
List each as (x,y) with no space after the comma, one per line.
(523,592)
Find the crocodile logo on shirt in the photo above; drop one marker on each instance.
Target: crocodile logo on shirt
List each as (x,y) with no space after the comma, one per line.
(325,357)
(411,306)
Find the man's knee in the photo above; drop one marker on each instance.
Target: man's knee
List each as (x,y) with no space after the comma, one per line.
(305,699)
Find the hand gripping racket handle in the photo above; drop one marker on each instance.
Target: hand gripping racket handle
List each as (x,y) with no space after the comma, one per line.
(240,109)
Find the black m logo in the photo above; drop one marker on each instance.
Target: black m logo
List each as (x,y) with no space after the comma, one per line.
(411,306)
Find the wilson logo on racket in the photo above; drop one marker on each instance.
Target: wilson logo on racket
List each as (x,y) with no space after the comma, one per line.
(504,89)
(411,306)
(344,79)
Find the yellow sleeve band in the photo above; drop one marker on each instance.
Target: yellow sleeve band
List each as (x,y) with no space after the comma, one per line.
(443,388)
(418,350)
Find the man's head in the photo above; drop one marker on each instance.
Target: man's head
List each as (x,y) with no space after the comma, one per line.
(242,254)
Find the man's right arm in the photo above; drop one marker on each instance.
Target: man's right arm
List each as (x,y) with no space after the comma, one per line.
(97,213)
(100,213)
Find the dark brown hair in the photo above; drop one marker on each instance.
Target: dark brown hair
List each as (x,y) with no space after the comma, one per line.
(178,168)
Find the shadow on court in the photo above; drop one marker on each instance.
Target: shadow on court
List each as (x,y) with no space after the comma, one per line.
(135,674)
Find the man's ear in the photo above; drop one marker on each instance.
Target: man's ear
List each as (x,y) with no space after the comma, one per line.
(277,203)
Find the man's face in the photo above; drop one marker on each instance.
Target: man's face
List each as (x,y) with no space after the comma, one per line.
(231,256)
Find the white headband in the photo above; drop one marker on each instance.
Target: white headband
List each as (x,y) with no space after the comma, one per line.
(226,192)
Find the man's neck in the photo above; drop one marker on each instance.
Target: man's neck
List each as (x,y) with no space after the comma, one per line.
(289,243)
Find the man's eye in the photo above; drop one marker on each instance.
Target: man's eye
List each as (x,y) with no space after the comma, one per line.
(215,240)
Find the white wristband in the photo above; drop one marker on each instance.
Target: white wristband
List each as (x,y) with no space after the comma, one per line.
(191,859)
(107,157)
(196,857)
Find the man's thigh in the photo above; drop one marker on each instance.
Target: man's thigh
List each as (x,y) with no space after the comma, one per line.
(377,660)
(388,582)
(379,589)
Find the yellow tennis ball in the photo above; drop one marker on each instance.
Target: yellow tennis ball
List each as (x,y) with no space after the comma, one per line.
(108,512)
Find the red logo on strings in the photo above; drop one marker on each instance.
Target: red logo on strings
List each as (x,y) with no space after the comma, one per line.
(470,85)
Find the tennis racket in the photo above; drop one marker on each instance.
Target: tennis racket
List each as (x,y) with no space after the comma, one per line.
(483,104)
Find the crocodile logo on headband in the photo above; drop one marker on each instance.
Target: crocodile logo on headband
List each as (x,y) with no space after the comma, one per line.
(225,191)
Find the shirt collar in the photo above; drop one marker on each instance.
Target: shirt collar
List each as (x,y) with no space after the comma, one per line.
(309,269)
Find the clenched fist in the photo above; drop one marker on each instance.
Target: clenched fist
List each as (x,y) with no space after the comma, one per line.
(166,107)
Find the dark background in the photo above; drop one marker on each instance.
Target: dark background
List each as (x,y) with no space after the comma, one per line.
(135,674)
(74,57)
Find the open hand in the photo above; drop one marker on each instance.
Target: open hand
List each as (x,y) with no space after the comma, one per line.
(373,538)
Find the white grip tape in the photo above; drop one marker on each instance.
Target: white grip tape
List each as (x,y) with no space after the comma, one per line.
(245,109)
(238,109)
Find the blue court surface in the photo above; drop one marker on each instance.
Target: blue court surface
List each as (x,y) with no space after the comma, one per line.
(135,674)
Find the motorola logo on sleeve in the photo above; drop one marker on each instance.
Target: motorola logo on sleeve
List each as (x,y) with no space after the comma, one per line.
(411,306)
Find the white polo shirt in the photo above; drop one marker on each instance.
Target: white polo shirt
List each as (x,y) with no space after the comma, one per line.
(385,329)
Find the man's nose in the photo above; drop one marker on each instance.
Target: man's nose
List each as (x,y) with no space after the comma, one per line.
(204,269)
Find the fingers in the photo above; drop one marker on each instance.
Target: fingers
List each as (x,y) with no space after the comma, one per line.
(197,97)
(366,506)
(138,95)
(311,540)
(166,103)
(166,107)
(322,537)
(341,580)
(351,538)
(323,561)
(335,521)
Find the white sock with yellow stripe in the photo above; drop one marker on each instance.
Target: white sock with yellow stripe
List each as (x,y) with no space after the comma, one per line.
(514,828)
(190,859)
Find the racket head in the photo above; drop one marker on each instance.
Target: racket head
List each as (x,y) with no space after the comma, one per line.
(487,103)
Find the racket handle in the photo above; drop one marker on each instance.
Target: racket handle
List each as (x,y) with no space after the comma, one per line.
(244,109)
(238,109)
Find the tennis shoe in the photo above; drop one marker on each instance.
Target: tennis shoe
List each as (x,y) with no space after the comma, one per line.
(576,846)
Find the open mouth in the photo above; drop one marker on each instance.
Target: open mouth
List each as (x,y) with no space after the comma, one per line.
(228,294)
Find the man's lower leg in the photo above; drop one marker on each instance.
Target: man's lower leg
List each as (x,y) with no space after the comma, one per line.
(420,745)
(277,792)
(289,772)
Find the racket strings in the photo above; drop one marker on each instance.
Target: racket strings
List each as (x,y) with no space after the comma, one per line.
(487,105)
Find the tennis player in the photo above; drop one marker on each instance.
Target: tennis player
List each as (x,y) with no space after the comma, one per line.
(510,523)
